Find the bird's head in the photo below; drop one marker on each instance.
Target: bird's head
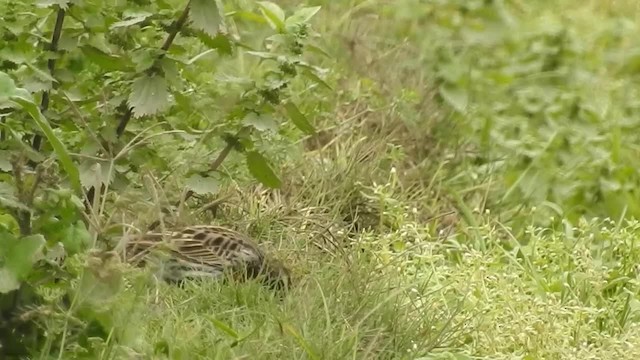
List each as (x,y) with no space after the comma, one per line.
(276,275)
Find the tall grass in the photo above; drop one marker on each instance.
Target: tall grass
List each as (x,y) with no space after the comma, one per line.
(435,216)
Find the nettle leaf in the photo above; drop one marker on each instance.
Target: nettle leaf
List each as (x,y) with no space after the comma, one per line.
(104,60)
(149,95)
(273,14)
(301,16)
(206,16)
(41,74)
(298,118)
(8,198)
(76,238)
(221,42)
(8,89)
(18,257)
(145,58)
(260,122)
(202,185)
(95,172)
(261,170)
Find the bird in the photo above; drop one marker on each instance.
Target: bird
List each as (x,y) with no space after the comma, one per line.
(207,251)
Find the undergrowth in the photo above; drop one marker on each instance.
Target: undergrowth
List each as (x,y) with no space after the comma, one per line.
(455,202)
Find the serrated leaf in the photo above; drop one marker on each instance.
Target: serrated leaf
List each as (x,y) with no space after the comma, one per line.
(221,42)
(7,87)
(206,16)
(76,238)
(149,95)
(261,170)
(302,16)
(95,173)
(13,203)
(41,74)
(298,118)
(202,185)
(273,14)
(144,59)
(16,143)
(260,122)
(104,60)
(18,257)
(170,70)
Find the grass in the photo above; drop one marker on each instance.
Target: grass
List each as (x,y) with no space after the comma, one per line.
(452,207)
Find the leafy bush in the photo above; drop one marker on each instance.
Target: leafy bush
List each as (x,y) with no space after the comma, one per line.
(127,88)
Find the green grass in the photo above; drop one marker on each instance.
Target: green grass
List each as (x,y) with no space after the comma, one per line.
(442,213)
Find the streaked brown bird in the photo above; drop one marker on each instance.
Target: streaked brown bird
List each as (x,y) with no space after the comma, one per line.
(208,251)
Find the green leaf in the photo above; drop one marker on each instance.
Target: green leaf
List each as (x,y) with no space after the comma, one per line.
(9,90)
(5,164)
(309,74)
(273,14)
(10,224)
(249,16)
(7,87)
(41,74)
(58,147)
(317,49)
(221,42)
(132,19)
(262,54)
(104,60)
(301,16)
(298,118)
(261,170)
(18,257)
(202,185)
(455,96)
(206,16)
(223,327)
(300,340)
(16,142)
(8,198)
(8,281)
(76,238)
(149,95)
(260,122)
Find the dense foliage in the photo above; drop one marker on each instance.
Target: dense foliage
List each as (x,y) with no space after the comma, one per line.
(94,94)
(440,174)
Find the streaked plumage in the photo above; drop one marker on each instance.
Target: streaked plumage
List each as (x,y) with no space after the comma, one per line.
(207,251)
